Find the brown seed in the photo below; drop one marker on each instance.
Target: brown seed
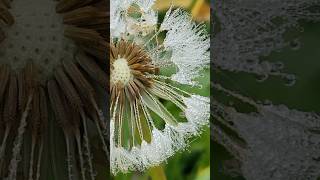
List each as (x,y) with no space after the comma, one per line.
(100,52)
(2,35)
(93,70)
(6,16)
(57,105)
(99,26)
(4,78)
(68,89)
(43,111)
(30,77)
(84,36)
(11,106)
(86,16)
(66,5)
(35,113)
(22,91)
(79,81)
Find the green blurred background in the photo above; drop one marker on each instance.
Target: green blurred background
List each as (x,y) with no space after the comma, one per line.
(303,95)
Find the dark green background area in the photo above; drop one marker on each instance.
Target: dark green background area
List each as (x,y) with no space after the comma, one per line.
(303,95)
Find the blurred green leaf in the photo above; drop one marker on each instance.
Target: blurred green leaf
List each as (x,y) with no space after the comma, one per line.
(203,174)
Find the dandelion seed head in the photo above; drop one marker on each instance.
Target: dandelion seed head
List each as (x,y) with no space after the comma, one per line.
(48,52)
(138,55)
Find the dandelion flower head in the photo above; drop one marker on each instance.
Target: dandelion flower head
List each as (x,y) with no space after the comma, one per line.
(143,132)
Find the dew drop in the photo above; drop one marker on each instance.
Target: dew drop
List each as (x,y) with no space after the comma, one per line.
(261,77)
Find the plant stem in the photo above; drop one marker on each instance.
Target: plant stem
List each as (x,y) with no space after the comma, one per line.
(157,173)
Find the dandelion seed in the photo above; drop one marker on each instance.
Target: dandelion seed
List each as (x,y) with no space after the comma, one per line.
(138,89)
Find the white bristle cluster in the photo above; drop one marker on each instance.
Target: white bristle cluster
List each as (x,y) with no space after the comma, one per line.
(164,142)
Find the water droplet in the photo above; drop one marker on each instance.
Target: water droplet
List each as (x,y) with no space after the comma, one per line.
(290,80)
(261,77)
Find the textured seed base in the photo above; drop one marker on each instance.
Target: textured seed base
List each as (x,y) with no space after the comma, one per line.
(121,72)
(36,35)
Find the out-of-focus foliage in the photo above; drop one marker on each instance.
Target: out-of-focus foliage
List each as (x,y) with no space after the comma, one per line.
(165,4)
(302,96)
(200,9)
(267,126)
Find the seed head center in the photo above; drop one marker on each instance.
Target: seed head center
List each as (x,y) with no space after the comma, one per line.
(37,36)
(121,72)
